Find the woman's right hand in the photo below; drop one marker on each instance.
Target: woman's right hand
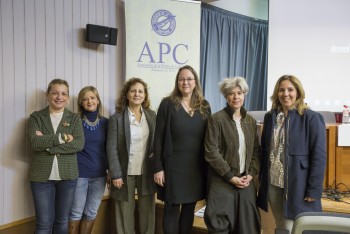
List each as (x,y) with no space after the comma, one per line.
(240,182)
(108,180)
(70,137)
(159,178)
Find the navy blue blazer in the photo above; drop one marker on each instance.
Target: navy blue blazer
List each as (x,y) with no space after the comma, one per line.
(305,161)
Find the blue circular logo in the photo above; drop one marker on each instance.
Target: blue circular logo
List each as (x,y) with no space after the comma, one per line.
(163,22)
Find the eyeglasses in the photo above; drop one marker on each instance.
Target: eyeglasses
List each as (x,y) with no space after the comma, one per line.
(188,79)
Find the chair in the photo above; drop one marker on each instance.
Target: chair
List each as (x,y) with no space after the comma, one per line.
(321,222)
(329,117)
(258,115)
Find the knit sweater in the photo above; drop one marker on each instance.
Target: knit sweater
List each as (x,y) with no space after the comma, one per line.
(48,145)
(92,160)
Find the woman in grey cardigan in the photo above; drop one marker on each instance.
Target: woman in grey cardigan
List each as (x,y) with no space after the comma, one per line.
(233,152)
(56,135)
(129,152)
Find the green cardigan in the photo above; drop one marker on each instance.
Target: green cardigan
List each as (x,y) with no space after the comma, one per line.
(47,146)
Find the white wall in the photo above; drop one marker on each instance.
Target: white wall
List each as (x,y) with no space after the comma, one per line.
(313,45)
(41,40)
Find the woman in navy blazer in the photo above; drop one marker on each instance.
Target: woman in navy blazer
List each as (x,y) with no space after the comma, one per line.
(294,155)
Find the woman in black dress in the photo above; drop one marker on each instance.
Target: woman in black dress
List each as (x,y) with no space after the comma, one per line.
(180,168)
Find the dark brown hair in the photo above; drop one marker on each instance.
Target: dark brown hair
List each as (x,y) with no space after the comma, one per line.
(122,100)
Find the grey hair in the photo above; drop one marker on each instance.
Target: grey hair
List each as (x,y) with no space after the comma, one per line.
(227,84)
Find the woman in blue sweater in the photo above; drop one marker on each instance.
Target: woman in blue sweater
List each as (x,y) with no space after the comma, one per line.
(92,162)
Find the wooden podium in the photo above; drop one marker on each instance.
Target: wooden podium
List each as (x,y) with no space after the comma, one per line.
(338,162)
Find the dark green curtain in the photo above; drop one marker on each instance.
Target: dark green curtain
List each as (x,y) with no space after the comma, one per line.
(233,45)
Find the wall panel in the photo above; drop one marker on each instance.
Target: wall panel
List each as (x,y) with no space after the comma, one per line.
(61,39)
(92,46)
(19,160)
(30,82)
(100,49)
(67,55)
(2,133)
(50,40)
(43,52)
(84,52)
(106,56)
(77,41)
(9,106)
(39,41)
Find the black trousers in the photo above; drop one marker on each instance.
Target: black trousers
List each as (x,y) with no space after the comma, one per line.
(179,219)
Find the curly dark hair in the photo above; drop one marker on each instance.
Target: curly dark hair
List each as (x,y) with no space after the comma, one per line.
(122,100)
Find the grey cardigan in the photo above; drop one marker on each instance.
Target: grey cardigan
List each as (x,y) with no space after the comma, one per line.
(118,148)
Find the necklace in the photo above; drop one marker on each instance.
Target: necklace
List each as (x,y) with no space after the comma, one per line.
(190,111)
(92,126)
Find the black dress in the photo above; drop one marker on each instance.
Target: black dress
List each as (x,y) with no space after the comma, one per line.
(187,170)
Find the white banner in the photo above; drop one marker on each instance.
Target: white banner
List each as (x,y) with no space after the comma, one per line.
(161,36)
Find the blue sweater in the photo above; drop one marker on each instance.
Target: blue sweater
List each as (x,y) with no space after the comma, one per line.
(92,160)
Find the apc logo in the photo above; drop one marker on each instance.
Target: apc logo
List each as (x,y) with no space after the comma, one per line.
(163,22)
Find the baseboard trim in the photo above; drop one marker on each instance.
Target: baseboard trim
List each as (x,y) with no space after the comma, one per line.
(16,223)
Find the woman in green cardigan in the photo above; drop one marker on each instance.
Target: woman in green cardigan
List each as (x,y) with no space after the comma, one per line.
(55,135)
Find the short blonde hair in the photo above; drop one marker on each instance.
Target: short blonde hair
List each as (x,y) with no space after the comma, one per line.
(81,96)
(227,84)
(57,81)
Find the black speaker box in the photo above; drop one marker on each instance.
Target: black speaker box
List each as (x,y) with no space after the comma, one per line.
(101,34)
(113,33)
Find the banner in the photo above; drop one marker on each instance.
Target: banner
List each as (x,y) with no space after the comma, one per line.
(161,36)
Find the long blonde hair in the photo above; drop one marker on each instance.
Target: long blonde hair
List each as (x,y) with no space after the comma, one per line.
(300,105)
(197,99)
